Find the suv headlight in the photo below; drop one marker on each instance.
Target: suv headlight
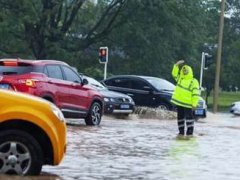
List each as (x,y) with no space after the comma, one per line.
(58,113)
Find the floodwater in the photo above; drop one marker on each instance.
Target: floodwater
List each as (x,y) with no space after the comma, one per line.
(148,149)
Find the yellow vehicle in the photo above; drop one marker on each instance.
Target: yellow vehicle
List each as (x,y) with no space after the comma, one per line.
(32,134)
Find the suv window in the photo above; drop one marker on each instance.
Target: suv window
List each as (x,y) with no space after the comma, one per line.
(54,71)
(161,84)
(119,82)
(71,75)
(16,68)
(126,83)
(137,84)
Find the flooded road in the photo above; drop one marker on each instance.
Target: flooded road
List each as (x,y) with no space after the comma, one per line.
(148,149)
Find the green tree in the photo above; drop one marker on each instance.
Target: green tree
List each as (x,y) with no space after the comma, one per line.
(156,34)
(231,46)
(46,25)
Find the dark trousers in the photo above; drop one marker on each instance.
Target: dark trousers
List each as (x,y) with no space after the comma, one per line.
(185,117)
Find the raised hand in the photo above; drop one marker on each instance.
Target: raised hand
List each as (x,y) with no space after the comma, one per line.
(179,62)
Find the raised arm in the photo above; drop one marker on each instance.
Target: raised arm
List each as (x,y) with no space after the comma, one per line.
(175,70)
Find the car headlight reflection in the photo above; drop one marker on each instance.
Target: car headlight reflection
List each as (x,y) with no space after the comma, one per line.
(58,113)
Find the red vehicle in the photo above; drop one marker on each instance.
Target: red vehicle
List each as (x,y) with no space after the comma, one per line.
(54,81)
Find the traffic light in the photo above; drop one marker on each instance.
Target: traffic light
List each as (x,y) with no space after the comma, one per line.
(103,54)
(208,60)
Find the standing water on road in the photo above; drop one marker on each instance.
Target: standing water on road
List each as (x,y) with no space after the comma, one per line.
(148,149)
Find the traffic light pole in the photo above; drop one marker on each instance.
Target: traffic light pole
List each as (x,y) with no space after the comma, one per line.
(105,70)
(201,72)
(103,59)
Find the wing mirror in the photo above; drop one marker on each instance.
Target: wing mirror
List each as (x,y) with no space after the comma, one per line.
(84,81)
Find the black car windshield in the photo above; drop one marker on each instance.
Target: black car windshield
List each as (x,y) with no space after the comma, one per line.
(95,83)
(161,84)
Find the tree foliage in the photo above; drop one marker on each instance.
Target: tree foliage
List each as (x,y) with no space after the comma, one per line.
(47,25)
(143,37)
(156,34)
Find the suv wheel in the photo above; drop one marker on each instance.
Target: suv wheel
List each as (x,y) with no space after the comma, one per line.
(95,114)
(163,106)
(20,153)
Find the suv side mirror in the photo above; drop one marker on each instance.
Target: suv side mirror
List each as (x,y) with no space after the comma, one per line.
(84,81)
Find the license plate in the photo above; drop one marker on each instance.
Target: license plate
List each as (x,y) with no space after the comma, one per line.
(4,86)
(199,112)
(124,106)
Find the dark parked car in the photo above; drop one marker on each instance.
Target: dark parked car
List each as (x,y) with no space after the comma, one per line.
(114,102)
(56,82)
(149,91)
(145,90)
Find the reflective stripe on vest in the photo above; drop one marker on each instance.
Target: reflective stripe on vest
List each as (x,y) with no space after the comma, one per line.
(186,88)
(196,95)
(181,103)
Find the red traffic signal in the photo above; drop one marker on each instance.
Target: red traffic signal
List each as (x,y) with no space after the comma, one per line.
(103,54)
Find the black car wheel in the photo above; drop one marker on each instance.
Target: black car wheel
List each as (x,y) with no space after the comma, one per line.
(95,114)
(205,114)
(163,106)
(20,153)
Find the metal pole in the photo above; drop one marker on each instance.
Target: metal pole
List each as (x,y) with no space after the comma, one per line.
(218,61)
(105,70)
(201,72)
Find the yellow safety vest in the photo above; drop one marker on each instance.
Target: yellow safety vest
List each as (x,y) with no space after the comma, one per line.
(186,93)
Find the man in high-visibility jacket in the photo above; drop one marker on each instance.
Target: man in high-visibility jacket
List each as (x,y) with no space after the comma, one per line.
(186,96)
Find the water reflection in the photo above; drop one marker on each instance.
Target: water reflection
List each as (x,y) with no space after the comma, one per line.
(183,154)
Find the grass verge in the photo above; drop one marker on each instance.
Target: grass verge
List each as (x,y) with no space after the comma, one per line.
(224,101)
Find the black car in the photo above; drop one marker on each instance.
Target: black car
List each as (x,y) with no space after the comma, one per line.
(114,102)
(145,90)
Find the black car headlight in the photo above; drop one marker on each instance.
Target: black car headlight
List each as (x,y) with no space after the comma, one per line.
(108,99)
(131,100)
(201,104)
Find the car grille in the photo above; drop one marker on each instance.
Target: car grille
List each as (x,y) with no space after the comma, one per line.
(122,100)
